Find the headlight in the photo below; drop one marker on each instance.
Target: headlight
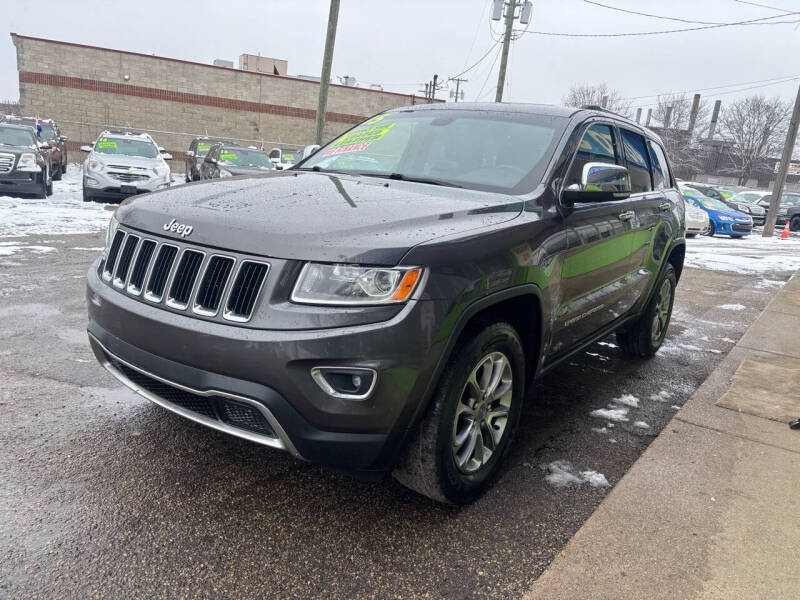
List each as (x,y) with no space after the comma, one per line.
(783,211)
(95,165)
(724,218)
(113,224)
(743,208)
(161,171)
(27,162)
(353,285)
(225,173)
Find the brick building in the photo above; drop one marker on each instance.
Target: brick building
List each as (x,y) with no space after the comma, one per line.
(87,89)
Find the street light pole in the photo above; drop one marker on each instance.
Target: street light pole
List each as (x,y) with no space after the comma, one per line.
(325,77)
(780,181)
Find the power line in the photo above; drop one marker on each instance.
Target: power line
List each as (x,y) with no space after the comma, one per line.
(477,29)
(644,14)
(645,33)
(479,61)
(783,10)
(718,87)
(488,74)
(745,89)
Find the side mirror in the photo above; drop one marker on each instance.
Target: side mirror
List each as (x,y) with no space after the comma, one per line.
(190,153)
(600,182)
(86,148)
(309,150)
(43,145)
(161,148)
(166,156)
(63,138)
(275,155)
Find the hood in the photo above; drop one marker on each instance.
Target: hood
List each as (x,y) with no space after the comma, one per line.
(317,216)
(128,161)
(18,149)
(236,170)
(732,214)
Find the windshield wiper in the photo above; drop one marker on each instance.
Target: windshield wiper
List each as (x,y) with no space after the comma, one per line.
(401,177)
(318,169)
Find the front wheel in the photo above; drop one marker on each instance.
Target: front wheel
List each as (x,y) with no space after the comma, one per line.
(645,336)
(711,231)
(469,426)
(794,224)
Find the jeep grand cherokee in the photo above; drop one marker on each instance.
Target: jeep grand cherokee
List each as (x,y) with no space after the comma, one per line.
(381,307)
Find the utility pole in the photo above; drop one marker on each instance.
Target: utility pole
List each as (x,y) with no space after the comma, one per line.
(458,85)
(325,77)
(786,158)
(604,101)
(433,89)
(668,117)
(511,6)
(649,115)
(639,114)
(693,113)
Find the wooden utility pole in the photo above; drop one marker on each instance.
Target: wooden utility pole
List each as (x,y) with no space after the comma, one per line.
(786,158)
(325,77)
(639,114)
(714,118)
(693,113)
(511,6)
(433,88)
(458,81)
(649,116)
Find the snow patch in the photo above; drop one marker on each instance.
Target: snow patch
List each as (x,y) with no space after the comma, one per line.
(641,425)
(617,414)
(627,400)
(661,396)
(732,306)
(561,473)
(675,407)
(600,429)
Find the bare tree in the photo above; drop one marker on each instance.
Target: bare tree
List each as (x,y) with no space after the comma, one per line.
(581,95)
(756,127)
(686,157)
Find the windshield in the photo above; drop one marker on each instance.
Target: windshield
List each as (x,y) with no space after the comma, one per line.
(707,202)
(790,199)
(203,148)
(241,157)
(16,137)
(126,147)
(48,132)
(289,158)
(487,150)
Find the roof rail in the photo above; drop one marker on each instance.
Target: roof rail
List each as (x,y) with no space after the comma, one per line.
(602,109)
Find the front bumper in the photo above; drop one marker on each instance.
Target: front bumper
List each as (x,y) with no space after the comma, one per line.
(20,183)
(271,369)
(107,185)
(732,228)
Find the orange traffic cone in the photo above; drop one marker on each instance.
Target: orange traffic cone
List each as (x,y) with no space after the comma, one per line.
(785,232)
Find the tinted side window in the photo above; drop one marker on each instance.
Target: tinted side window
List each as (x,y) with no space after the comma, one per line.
(597,145)
(661,179)
(637,161)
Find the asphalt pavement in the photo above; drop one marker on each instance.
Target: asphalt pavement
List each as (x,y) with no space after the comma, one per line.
(107,495)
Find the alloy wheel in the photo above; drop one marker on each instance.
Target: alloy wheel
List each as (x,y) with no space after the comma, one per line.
(482,412)
(661,317)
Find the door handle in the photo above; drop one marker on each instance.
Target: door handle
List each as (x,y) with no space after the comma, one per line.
(626,216)
(665,206)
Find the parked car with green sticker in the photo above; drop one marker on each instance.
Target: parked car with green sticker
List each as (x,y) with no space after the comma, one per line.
(24,165)
(54,146)
(122,164)
(196,154)
(229,160)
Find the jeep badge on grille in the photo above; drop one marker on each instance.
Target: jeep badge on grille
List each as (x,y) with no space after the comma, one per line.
(179,228)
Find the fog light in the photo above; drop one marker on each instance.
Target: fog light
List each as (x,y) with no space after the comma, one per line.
(92,182)
(349,383)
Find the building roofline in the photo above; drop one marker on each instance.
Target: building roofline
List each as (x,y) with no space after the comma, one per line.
(199,64)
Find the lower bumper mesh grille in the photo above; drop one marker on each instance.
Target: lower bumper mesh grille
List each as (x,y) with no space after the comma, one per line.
(218,408)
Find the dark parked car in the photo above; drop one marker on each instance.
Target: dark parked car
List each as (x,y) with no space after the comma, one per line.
(24,167)
(47,131)
(196,154)
(382,306)
(229,160)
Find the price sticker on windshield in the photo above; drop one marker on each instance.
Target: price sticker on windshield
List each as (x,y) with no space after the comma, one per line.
(359,139)
(228,155)
(106,143)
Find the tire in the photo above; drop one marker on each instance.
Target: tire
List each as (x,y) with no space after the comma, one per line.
(711,231)
(737,237)
(691,235)
(641,338)
(87,197)
(42,193)
(433,464)
(794,224)
(57,173)
(64,168)
(49,188)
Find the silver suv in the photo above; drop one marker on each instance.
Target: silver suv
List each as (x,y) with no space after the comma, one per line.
(122,164)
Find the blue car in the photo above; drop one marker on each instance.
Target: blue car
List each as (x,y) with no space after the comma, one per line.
(722,218)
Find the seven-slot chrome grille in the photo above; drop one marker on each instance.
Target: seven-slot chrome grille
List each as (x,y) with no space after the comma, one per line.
(184,278)
(6,162)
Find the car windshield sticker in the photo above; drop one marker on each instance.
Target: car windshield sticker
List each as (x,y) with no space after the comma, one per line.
(203,146)
(106,143)
(359,139)
(226,155)
(288,157)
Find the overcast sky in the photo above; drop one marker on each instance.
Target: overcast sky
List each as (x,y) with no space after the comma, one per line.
(401,43)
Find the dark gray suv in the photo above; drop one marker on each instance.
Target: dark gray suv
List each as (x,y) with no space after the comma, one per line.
(382,306)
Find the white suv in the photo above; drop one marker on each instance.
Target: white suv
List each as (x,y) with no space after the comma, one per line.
(122,164)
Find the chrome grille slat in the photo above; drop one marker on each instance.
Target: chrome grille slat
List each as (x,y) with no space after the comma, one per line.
(124,262)
(159,275)
(6,162)
(212,285)
(245,290)
(141,265)
(183,282)
(113,253)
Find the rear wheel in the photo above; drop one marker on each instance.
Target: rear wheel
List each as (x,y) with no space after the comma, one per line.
(469,426)
(42,192)
(711,231)
(646,335)
(87,197)
(794,224)
(57,173)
